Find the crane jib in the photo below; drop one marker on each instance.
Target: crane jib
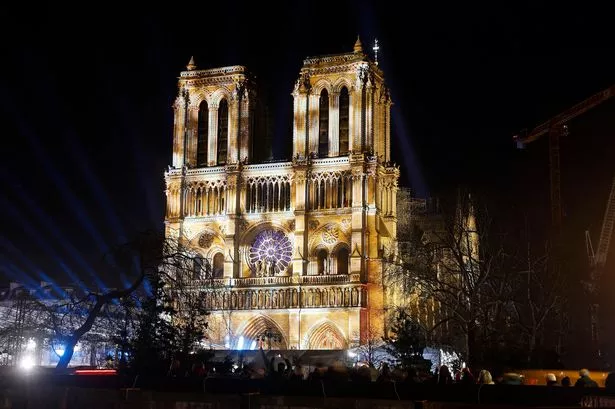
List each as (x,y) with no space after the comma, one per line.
(569,114)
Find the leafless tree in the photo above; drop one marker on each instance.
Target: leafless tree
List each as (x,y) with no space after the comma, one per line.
(460,268)
(539,298)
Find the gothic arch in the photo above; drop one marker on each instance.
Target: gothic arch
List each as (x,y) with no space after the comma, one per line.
(198,97)
(341,83)
(341,256)
(207,239)
(258,326)
(213,250)
(218,95)
(251,232)
(334,234)
(325,335)
(320,85)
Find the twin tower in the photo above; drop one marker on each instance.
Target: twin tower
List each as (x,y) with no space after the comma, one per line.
(296,248)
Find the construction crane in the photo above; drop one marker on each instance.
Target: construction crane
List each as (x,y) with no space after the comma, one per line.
(555,128)
(597,261)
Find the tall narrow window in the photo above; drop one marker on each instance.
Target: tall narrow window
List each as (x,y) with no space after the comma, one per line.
(203,131)
(222,132)
(323,129)
(344,120)
(322,261)
(342,261)
(218,270)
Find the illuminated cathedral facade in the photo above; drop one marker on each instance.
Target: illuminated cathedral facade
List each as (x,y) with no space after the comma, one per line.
(295,248)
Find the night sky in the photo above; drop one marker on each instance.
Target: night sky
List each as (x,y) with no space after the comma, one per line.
(86,94)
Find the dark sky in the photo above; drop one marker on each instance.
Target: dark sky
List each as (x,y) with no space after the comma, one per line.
(86,94)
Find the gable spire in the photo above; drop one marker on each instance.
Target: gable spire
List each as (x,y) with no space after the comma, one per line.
(358,47)
(191,65)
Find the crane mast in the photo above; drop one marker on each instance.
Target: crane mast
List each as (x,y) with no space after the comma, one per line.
(555,128)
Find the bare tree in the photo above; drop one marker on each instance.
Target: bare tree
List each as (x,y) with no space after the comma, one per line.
(461,269)
(539,297)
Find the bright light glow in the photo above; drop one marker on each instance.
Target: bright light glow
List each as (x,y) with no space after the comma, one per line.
(253,345)
(31,345)
(351,354)
(59,350)
(27,363)
(240,342)
(227,343)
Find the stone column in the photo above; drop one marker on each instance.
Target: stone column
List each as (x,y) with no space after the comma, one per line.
(245,128)
(313,118)
(191,132)
(358,222)
(298,195)
(294,329)
(232,153)
(212,148)
(369,117)
(300,116)
(179,110)
(334,124)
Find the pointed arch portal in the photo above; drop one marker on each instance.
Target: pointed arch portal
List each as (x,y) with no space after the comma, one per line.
(326,336)
(262,332)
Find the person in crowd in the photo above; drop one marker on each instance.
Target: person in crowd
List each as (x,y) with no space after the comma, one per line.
(444,376)
(412,377)
(551,379)
(485,378)
(198,369)
(566,381)
(466,376)
(585,381)
(385,374)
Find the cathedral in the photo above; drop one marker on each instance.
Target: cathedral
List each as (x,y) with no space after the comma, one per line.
(295,249)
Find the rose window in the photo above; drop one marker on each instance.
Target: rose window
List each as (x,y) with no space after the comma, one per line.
(271,253)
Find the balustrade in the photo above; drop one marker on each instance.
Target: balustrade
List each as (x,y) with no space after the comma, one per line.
(283,298)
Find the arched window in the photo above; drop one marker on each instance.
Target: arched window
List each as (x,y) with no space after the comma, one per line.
(323,130)
(218,265)
(322,261)
(202,134)
(344,121)
(342,261)
(222,132)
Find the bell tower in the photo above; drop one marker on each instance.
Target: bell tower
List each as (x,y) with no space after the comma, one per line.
(213,117)
(341,105)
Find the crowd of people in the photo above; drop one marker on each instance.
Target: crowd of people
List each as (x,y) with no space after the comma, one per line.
(282,369)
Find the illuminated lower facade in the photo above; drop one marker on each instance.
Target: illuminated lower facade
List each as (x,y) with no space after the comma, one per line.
(296,248)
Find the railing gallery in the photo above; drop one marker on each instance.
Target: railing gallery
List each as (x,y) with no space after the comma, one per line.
(277,281)
(282,298)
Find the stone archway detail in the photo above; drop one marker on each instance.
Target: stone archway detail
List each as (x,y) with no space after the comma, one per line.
(259,326)
(326,335)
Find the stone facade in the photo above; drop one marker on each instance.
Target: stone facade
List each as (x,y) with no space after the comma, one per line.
(296,248)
